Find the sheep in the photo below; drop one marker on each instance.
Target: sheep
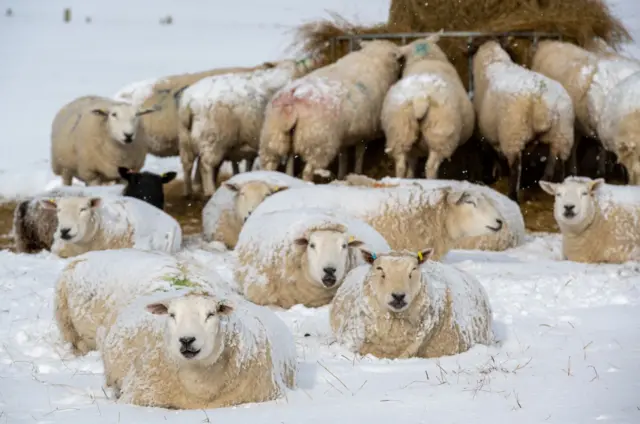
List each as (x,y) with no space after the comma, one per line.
(222,115)
(230,206)
(619,125)
(427,111)
(400,305)
(92,136)
(198,350)
(515,106)
(331,109)
(598,222)
(512,233)
(34,225)
(300,256)
(102,223)
(93,287)
(406,215)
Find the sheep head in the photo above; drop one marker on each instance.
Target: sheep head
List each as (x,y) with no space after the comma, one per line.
(250,195)
(76,217)
(575,206)
(470,214)
(122,120)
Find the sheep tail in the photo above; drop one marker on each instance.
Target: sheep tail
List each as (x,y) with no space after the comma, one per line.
(540,116)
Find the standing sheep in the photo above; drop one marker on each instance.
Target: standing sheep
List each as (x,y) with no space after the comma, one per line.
(222,115)
(94,223)
(407,215)
(599,222)
(516,106)
(225,213)
(427,112)
(299,256)
(331,109)
(400,306)
(92,136)
(198,351)
(95,286)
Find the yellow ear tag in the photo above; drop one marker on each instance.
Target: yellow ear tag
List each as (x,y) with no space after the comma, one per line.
(351,238)
(420,255)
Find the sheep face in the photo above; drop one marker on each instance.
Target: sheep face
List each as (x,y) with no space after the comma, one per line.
(122,121)
(75,217)
(194,327)
(146,186)
(395,279)
(575,206)
(327,256)
(250,195)
(471,214)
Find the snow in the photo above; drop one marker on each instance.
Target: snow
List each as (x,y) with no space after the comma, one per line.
(317,89)
(609,73)
(137,92)
(569,343)
(415,86)
(622,100)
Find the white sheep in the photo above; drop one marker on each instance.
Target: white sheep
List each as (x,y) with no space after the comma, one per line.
(516,106)
(230,206)
(198,350)
(331,109)
(400,305)
(221,116)
(619,125)
(102,223)
(299,256)
(407,216)
(599,222)
(95,286)
(92,136)
(427,112)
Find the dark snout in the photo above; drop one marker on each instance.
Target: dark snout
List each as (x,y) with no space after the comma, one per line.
(497,227)
(329,278)
(186,347)
(64,233)
(398,301)
(128,138)
(569,211)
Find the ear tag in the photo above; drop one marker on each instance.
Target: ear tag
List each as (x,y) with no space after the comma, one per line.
(374,256)
(420,255)
(163,175)
(351,238)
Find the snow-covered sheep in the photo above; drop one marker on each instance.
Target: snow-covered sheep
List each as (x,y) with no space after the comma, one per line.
(408,215)
(229,207)
(400,305)
(103,223)
(516,106)
(95,286)
(619,125)
(198,351)
(300,256)
(92,136)
(427,112)
(331,109)
(221,116)
(599,222)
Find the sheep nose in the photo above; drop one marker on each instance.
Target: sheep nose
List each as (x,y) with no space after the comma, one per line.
(399,297)
(569,208)
(187,341)
(128,137)
(64,233)
(329,270)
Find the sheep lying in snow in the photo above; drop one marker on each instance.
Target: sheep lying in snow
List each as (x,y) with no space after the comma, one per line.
(92,136)
(198,351)
(599,222)
(223,115)
(537,108)
(230,206)
(34,225)
(398,306)
(94,223)
(299,256)
(619,125)
(427,112)
(332,108)
(407,216)
(95,286)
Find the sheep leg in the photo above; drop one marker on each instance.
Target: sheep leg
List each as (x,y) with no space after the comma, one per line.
(250,163)
(236,167)
(197,177)
(433,164)
(187,160)
(342,164)
(401,165)
(307,172)
(67,177)
(550,169)
(412,163)
(291,161)
(573,158)
(515,171)
(359,165)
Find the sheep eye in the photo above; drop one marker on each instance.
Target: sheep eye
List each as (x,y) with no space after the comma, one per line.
(312,245)
(210,315)
(115,115)
(172,315)
(83,210)
(344,246)
(584,193)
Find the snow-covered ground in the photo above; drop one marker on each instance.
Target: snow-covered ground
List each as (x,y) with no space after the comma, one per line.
(570,333)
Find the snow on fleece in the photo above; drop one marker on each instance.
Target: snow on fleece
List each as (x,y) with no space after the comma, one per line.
(415,86)
(248,328)
(608,74)
(223,199)
(271,235)
(138,92)
(318,89)
(622,100)
(436,279)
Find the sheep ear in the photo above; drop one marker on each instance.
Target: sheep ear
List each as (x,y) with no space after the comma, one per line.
(167,177)
(95,202)
(224,308)
(548,187)
(354,242)
(369,257)
(124,173)
(424,255)
(48,204)
(277,189)
(158,308)
(233,187)
(455,197)
(100,112)
(302,242)
(595,184)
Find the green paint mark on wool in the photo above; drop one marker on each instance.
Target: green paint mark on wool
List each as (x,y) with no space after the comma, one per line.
(180,281)
(421,49)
